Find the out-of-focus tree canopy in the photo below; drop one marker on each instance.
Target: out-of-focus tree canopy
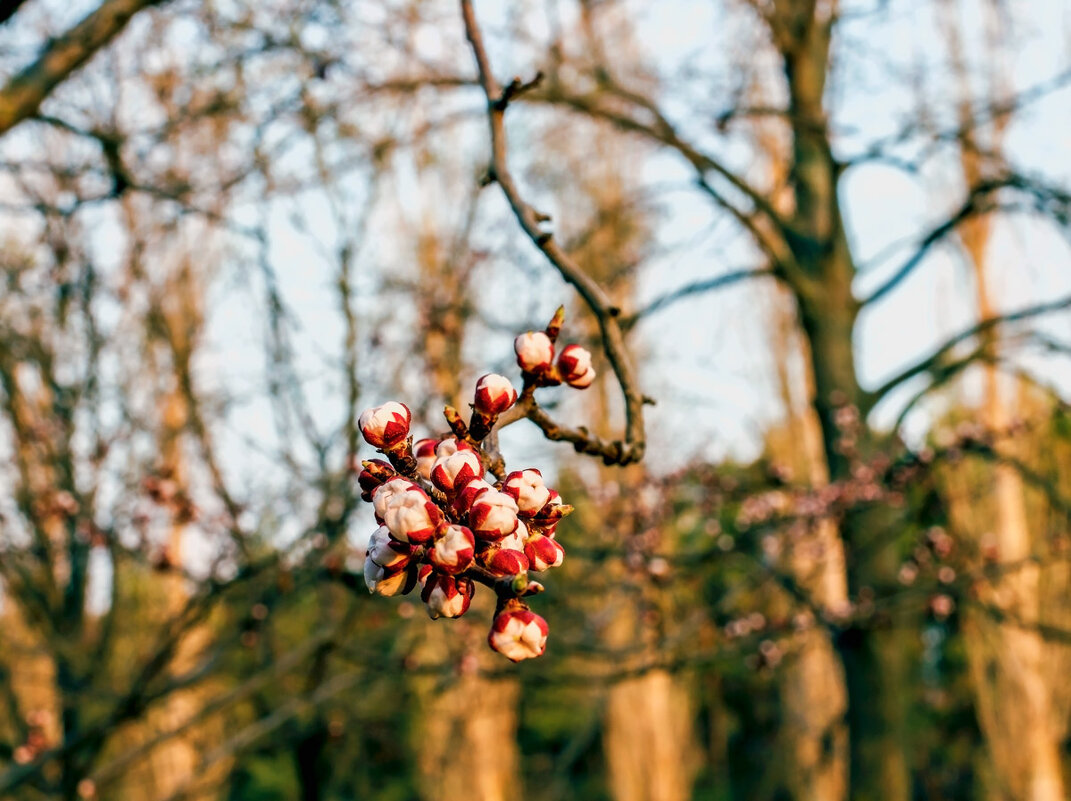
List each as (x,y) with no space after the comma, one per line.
(818,250)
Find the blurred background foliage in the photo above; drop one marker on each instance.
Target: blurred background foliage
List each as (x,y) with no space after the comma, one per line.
(836,234)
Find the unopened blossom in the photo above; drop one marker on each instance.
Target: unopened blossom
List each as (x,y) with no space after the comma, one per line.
(573,362)
(544,527)
(516,540)
(463,502)
(535,352)
(527,488)
(424,451)
(450,446)
(411,516)
(424,572)
(387,582)
(385,426)
(584,380)
(503,562)
(574,366)
(386,551)
(494,394)
(543,552)
(453,472)
(518,634)
(493,515)
(552,511)
(373,473)
(446,596)
(383,494)
(453,549)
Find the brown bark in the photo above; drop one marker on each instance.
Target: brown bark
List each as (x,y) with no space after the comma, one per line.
(467,746)
(865,742)
(1008,660)
(466,737)
(646,733)
(813,691)
(25,92)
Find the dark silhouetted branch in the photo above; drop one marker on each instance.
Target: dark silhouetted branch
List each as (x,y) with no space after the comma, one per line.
(939,358)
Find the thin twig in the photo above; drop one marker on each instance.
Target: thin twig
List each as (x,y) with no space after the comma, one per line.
(632,447)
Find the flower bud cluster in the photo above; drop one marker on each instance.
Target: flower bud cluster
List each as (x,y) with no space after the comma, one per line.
(448,523)
(536,357)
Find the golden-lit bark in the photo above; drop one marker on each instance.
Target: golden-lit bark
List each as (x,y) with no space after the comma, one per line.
(465,743)
(647,733)
(466,740)
(1008,660)
(814,696)
(648,727)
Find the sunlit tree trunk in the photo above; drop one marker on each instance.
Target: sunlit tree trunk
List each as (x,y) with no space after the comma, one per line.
(649,738)
(1009,659)
(465,742)
(647,732)
(467,746)
(813,693)
(851,742)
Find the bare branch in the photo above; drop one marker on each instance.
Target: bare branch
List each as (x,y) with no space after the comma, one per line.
(25,92)
(695,288)
(632,448)
(980,201)
(937,359)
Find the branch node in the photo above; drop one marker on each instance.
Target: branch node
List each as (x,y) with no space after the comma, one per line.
(515,89)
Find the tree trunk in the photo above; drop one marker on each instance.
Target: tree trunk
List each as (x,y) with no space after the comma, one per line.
(813,692)
(1008,659)
(821,275)
(467,746)
(647,731)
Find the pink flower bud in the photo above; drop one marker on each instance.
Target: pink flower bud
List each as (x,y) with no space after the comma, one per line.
(518,634)
(385,426)
(382,495)
(574,366)
(424,571)
(386,551)
(450,446)
(493,515)
(543,552)
(424,450)
(503,562)
(453,472)
(463,502)
(494,394)
(447,596)
(372,475)
(586,379)
(553,511)
(527,488)
(411,516)
(387,582)
(453,550)
(516,540)
(535,352)
(547,529)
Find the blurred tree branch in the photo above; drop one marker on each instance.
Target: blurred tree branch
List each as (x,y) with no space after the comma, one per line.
(24,92)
